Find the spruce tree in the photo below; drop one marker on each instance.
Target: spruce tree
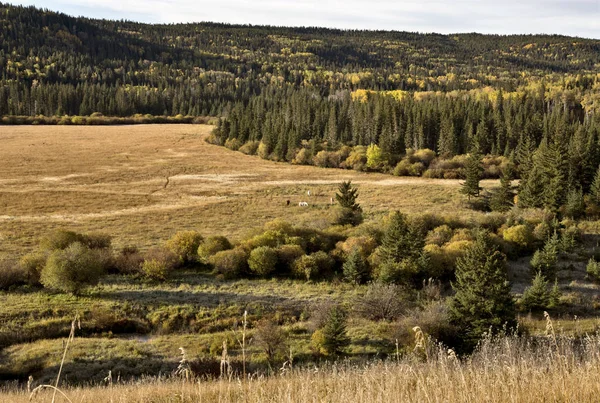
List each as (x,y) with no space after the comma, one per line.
(351,212)
(502,198)
(483,301)
(595,189)
(401,251)
(537,296)
(470,187)
(356,269)
(335,336)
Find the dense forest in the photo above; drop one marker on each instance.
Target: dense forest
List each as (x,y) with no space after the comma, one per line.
(54,64)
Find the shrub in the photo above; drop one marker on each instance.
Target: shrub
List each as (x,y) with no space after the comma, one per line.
(287,255)
(230,263)
(462,234)
(433,319)
(302,157)
(439,235)
(233,144)
(365,244)
(11,274)
(263,261)
(59,239)
(211,246)
(271,339)
(383,302)
(375,157)
(128,261)
(158,264)
(263,151)
(569,238)
(357,159)
(520,235)
(249,148)
(32,264)
(184,245)
(71,269)
(315,266)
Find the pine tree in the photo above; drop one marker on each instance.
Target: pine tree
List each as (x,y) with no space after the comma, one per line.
(350,211)
(483,301)
(474,170)
(402,252)
(356,269)
(537,296)
(502,198)
(347,195)
(335,336)
(595,189)
(544,260)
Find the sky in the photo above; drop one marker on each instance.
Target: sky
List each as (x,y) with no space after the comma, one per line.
(567,17)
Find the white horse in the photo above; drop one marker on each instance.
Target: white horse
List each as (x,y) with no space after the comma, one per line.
(303,204)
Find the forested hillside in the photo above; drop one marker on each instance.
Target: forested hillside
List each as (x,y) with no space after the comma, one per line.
(321,96)
(54,64)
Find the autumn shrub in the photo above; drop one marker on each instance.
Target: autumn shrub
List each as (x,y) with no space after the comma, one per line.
(230,263)
(302,157)
(72,268)
(32,264)
(184,245)
(158,263)
(263,261)
(314,267)
(11,274)
(383,302)
(519,235)
(357,159)
(432,319)
(439,235)
(128,261)
(286,256)
(249,148)
(233,144)
(211,246)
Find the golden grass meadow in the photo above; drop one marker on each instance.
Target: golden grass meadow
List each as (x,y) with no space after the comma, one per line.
(142,184)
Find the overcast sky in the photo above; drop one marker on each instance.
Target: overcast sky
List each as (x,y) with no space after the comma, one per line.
(568,17)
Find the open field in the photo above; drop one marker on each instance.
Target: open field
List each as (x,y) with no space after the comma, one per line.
(141,184)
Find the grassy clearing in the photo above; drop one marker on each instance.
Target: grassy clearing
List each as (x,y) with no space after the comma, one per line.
(114,180)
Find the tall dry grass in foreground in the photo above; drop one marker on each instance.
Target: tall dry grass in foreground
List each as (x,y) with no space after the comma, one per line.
(509,369)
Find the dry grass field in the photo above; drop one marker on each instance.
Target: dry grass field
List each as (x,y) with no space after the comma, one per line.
(504,371)
(142,183)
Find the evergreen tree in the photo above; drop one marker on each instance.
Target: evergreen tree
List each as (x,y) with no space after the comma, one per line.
(470,187)
(356,269)
(502,198)
(335,335)
(483,300)
(401,251)
(351,212)
(536,297)
(595,189)
(544,260)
